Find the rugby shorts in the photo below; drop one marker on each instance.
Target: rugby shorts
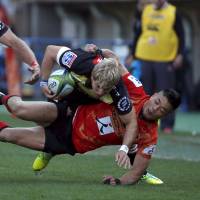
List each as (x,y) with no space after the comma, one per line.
(58,135)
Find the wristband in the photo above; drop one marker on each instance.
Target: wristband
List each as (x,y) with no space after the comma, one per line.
(43,83)
(124,148)
(34,64)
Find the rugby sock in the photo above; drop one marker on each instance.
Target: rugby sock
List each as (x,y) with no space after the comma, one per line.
(5,99)
(3,125)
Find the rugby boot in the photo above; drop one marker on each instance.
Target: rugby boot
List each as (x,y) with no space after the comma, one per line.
(41,161)
(150,179)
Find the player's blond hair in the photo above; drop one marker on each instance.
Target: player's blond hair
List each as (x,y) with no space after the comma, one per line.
(107,72)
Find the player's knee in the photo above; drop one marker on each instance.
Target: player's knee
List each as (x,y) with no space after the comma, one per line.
(19,109)
(5,135)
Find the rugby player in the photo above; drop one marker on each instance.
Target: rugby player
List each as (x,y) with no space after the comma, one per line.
(93,126)
(98,78)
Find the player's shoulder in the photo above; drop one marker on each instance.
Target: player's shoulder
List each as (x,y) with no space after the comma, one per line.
(132,80)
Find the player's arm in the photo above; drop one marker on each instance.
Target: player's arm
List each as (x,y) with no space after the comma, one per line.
(106,53)
(133,175)
(127,114)
(129,138)
(24,52)
(52,54)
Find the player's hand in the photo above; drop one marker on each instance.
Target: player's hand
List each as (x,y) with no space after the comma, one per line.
(107,53)
(47,92)
(122,160)
(110,180)
(35,70)
(91,48)
(178,62)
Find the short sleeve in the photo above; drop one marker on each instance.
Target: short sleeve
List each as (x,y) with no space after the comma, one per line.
(76,60)
(121,98)
(60,52)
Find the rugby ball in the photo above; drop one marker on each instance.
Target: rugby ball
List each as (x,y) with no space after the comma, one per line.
(61,83)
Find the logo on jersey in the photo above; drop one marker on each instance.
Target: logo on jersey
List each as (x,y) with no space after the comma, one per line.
(68,58)
(105,125)
(149,150)
(136,82)
(114,89)
(123,104)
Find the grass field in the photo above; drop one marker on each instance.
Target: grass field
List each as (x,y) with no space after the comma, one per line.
(176,162)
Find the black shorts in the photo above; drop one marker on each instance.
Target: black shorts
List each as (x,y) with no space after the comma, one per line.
(58,136)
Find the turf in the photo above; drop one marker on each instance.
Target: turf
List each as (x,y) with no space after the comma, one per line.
(176,162)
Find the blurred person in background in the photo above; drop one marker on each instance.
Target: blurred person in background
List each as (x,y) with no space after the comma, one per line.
(134,65)
(159,46)
(185,84)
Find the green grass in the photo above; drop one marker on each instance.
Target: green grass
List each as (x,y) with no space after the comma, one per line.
(79,177)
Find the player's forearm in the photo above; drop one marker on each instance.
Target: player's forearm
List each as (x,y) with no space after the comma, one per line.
(20,48)
(129,179)
(135,173)
(110,54)
(130,135)
(130,122)
(25,53)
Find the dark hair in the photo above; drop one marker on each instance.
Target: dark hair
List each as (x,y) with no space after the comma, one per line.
(173,97)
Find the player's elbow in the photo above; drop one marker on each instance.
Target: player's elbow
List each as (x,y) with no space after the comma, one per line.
(49,49)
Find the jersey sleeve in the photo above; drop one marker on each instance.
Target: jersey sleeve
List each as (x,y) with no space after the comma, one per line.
(3,28)
(136,92)
(134,86)
(76,60)
(121,98)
